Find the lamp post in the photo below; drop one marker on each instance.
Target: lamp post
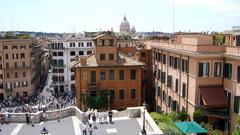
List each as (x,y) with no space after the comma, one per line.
(109,101)
(44,131)
(143,129)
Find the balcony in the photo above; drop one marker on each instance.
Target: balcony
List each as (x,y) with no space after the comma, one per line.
(186,47)
(232,50)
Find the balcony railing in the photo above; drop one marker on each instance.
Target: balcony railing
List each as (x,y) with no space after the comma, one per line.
(232,50)
(186,47)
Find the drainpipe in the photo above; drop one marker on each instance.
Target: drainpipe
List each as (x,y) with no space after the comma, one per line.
(187,85)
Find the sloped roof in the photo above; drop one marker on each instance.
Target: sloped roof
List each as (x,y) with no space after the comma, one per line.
(123,60)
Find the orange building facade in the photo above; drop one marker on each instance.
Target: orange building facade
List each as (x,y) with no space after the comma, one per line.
(110,70)
(191,73)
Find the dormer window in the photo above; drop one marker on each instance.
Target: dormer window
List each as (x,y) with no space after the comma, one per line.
(107,42)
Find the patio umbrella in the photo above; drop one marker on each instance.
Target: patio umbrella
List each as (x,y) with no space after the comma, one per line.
(190,127)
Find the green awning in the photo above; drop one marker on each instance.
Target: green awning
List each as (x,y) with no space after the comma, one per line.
(190,127)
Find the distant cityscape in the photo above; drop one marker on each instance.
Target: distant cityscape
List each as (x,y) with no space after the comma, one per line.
(80,77)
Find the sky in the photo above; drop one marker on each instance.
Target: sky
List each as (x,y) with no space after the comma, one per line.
(95,15)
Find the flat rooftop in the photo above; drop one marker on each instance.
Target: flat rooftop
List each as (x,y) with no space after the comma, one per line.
(72,126)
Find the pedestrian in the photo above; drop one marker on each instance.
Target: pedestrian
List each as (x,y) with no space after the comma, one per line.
(7,117)
(105,117)
(84,128)
(27,118)
(90,129)
(100,116)
(110,114)
(32,120)
(94,121)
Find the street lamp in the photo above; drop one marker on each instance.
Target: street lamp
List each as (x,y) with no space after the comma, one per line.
(44,131)
(109,101)
(143,129)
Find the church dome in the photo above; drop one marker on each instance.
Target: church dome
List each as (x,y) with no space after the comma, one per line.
(125,26)
(133,30)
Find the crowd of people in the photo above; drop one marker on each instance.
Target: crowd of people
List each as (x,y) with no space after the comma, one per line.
(90,117)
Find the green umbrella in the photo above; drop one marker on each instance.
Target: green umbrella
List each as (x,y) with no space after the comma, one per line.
(190,127)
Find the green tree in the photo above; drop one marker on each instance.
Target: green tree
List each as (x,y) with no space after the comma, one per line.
(197,116)
(218,38)
(183,116)
(98,102)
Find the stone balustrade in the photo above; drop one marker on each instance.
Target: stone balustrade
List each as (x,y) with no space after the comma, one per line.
(131,112)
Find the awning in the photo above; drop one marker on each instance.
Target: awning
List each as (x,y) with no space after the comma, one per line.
(190,127)
(213,97)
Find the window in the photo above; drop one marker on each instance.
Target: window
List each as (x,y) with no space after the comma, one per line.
(133,93)
(1,76)
(5,47)
(14,56)
(238,74)
(60,53)
(89,52)
(102,75)
(14,47)
(24,74)
(238,40)
(72,44)
(112,94)
(22,46)
(81,53)
(22,55)
(72,77)
(175,64)
(89,44)
(111,74)
(15,65)
(17,84)
(217,69)
(163,77)
(7,65)
(80,44)
(111,56)
(133,74)
(121,74)
(121,94)
(227,70)
(6,56)
(0,66)
(203,69)
(185,65)
(16,74)
(171,62)
(169,101)
(176,85)
(72,53)
(184,90)
(102,56)
(236,104)
(25,94)
(159,74)
(164,96)
(164,58)
(169,81)
(8,75)
(0,58)
(24,83)
(54,53)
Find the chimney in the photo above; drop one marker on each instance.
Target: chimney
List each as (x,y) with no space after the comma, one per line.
(83,61)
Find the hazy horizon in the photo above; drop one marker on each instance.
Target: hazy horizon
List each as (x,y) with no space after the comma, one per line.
(75,16)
